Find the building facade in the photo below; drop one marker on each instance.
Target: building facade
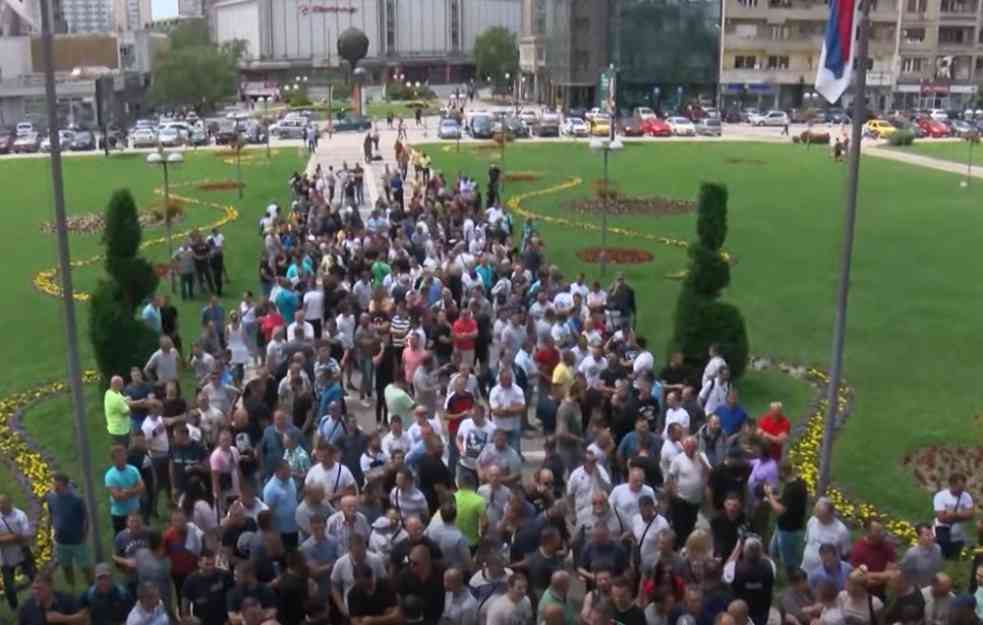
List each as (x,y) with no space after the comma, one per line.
(424,40)
(90,16)
(922,53)
(191,8)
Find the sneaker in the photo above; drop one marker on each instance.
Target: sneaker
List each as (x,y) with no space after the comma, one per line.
(366,404)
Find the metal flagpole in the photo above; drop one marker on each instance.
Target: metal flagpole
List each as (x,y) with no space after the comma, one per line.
(846,252)
(65,273)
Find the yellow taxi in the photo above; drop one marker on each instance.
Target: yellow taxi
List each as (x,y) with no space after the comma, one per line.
(600,126)
(880,128)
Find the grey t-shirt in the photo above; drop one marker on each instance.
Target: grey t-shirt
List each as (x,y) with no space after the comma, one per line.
(921,564)
(156,570)
(507,459)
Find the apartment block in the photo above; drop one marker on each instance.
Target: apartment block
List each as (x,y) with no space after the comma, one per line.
(923,53)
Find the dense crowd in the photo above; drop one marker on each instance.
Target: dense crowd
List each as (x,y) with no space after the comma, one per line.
(245,488)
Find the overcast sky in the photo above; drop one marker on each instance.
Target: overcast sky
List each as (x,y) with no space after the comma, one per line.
(164,8)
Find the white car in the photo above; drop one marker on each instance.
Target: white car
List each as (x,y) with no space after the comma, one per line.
(771,118)
(575,127)
(143,138)
(682,127)
(529,116)
(939,115)
(24,128)
(170,137)
(65,138)
(644,112)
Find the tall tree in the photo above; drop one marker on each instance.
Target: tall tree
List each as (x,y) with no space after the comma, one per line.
(119,339)
(496,52)
(701,319)
(193,72)
(189,33)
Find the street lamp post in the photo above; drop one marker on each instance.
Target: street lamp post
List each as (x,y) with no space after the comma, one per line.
(266,121)
(237,146)
(606,146)
(164,160)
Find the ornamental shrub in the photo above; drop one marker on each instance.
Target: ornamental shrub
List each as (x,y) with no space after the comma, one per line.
(902,137)
(700,319)
(119,339)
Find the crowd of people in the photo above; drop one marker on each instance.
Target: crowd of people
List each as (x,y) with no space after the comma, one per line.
(245,489)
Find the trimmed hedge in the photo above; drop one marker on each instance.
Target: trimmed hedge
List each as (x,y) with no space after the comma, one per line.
(902,138)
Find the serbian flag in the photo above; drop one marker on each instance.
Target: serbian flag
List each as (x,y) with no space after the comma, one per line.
(839,48)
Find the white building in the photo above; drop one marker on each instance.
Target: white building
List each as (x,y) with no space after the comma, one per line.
(425,40)
(190,8)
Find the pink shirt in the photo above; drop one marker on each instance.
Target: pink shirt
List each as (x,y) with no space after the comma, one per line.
(226,462)
(411,360)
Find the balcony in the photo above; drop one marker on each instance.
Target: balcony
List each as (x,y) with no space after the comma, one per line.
(771,76)
(773,46)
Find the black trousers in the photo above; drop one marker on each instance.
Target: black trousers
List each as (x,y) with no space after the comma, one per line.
(9,586)
(683,519)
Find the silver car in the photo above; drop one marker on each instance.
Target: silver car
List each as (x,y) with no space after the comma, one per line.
(143,138)
(170,137)
(708,127)
(449,129)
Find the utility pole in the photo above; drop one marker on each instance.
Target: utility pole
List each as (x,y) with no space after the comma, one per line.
(65,273)
(846,252)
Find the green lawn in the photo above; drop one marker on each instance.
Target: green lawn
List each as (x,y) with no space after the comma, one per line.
(914,305)
(34,344)
(955,151)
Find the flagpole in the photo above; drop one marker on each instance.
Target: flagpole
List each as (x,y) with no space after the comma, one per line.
(846,252)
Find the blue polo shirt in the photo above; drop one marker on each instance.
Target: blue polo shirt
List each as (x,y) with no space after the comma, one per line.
(281,497)
(128,477)
(67,517)
(287,303)
(731,419)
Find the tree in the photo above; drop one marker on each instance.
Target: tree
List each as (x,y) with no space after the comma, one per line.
(119,339)
(195,73)
(496,52)
(189,34)
(701,319)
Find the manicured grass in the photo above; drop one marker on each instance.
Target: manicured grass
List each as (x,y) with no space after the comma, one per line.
(914,305)
(955,151)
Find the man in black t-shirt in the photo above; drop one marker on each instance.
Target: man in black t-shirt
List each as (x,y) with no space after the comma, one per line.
(754,579)
(625,610)
(108,603)
(45,605)
(400,556)
(436,481)
(186,456)
(246,585)
(372,597)
(205,591)
(233,527)
(425,581)
(787,541)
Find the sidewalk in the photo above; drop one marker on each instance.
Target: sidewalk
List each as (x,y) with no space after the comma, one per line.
(921,161)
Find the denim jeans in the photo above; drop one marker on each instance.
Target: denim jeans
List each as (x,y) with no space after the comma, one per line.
(366,369)
(787,547)
(514,438)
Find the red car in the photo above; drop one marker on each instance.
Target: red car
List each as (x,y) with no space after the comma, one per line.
(655,127)
(932,128)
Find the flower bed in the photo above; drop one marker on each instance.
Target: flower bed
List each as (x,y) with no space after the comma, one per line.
(621,205)
(932,467)
(219,185)
(615,255)
(94,223)
(523,176)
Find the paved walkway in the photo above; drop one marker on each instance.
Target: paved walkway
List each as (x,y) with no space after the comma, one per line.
(921,161)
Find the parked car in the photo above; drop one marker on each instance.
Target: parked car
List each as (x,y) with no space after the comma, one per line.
(516,127)
(24,128)
(708,127)
(600,125)
(643,112)
(589,115)
(482,127)
(879,128)
(655,127)
(295,128)
(84,140)
(227,132)
(938,115)
(632,127)
(963,129)
(65,138)
(170,137)
(352,122)
(449,129)
(7,138)
(115,137)
(771,118)
(143,138)
(749,112)
(254,132)
(575,127)
(932,128)
(732,116)
(548,125)
(26,143)
(682,126)
(199,137)
(529,117)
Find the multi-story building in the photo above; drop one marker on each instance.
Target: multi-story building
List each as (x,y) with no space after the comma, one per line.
(532,51)
(89,16)
(922,53)
(423,40)
(191,8)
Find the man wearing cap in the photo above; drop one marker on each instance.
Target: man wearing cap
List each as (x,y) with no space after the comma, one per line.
(107,602)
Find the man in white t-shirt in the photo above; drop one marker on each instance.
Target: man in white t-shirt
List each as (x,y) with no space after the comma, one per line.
(472,436)
(396,439)
(513,607)
(645,527)
(584,480)
(313,307)
(954,508)
(671,447)
(335,478)
(508,404)
(713,367)
(675,413)
(644,361)
(299,322)
(624,498)
(686,482)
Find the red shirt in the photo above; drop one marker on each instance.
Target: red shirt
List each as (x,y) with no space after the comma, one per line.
(774,423)
(183,562)
(456,404)
(876,557)
(269,324)
(464,326)
(547,359)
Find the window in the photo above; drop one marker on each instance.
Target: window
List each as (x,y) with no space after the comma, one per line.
(539,17)
(954,6)
(746,31)
(979,63)
(455,26)
(744,62)
(777,62)
(391,26)
(778,32)
(917,6)
(912,64)
(953,35)
(748,3)
(913,35)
